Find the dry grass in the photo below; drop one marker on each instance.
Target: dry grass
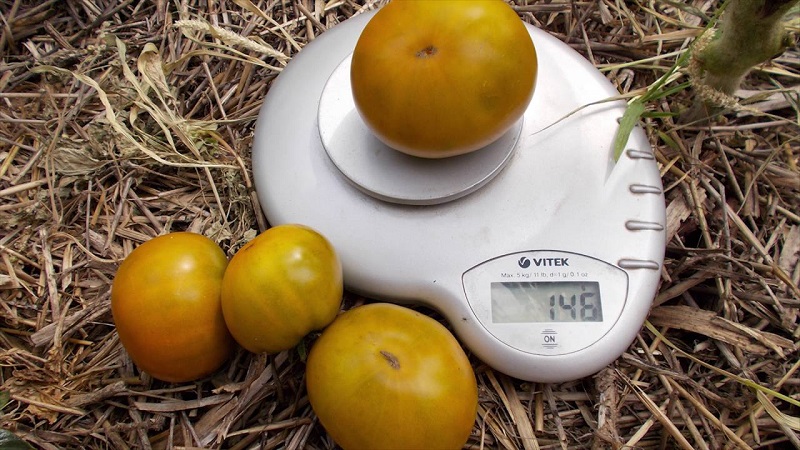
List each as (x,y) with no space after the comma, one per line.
(121,120)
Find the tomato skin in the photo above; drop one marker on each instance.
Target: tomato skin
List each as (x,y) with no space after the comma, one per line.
(383,376)
(165,300)
(280,286)
(440,78)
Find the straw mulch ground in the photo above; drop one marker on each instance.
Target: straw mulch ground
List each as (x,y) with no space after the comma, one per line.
(123,120)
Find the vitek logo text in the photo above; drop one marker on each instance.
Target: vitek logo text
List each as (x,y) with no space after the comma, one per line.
(543,262)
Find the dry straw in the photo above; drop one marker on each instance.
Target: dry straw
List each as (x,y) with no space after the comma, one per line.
(120,121)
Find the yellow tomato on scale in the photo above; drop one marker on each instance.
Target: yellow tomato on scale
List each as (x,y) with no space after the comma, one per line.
(439,78)
(279,287)
(383,376)
(165,300)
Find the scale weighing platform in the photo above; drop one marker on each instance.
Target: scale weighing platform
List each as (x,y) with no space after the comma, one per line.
(542,252)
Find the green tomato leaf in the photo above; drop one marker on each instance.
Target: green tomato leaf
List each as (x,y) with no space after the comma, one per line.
(629,120)
(10,441)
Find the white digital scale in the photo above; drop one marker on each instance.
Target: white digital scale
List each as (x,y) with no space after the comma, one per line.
(543,253)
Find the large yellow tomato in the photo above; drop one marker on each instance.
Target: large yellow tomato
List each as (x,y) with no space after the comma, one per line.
(165,300)
(279,287)
(383,376)
(438,78)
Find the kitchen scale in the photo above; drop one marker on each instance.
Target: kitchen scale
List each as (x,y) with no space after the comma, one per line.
(543,253)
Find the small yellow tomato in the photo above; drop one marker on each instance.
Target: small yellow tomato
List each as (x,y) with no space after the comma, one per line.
(438,78)
(165,300)
(279,287)
(383,376)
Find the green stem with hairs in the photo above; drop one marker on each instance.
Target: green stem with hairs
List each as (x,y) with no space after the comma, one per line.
(750,32)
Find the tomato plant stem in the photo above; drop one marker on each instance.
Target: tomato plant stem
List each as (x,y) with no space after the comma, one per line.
(750,32)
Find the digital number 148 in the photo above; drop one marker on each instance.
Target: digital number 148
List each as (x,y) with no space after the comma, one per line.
(578,307)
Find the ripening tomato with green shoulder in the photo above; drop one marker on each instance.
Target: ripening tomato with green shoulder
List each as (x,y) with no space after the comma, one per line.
(384,376)
(165,300)
(438,78)
(280,286)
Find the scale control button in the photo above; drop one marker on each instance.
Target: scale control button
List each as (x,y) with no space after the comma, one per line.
(549,340)
(639,154)
(633,263)
(644,189)
(640,225)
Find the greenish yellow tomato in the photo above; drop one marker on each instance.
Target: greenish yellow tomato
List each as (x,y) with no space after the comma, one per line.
(439,78)
(383,376)
(279,287)
(165,300)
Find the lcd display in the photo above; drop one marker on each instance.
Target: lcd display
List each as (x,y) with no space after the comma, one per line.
(545,301)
